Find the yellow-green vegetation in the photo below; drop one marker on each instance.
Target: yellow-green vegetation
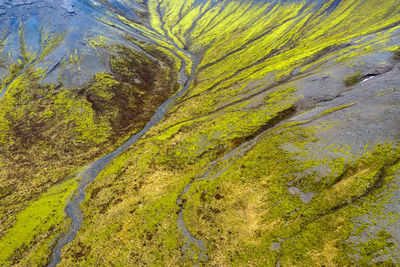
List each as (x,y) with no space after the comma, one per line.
(48,132)
(267,186)
(246,42)
(248,207)
(27,56)
(325,112)
(243,206)
(352,79)
(13,71)
(396,54)
(49,43)
(40,220)
(79,113)
(158,167)
(229,126)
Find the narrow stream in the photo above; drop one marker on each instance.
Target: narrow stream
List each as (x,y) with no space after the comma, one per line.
(189,238)
(221,165)
(87,176)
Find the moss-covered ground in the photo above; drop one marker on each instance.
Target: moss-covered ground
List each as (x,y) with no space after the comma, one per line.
(243,209)
(230,135)
(48,132)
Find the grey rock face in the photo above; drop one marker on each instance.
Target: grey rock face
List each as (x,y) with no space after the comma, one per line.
(38,23)
(67,5)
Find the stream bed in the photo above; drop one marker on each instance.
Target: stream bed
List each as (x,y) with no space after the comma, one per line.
(87,176)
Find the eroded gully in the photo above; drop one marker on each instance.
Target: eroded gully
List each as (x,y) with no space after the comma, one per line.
(87,176)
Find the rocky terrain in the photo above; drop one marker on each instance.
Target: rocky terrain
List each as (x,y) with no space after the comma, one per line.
(199,132)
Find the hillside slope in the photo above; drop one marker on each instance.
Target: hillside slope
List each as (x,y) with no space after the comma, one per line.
(258,132)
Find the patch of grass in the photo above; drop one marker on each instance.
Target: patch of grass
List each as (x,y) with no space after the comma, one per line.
(38,221)
(396,54)
(352,79)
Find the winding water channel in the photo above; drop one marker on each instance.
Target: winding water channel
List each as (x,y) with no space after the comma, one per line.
(87,176)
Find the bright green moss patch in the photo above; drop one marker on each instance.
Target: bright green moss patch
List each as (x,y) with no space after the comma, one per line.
(13,71)
(43,215)
(80,115)
(219,133)
(329,111)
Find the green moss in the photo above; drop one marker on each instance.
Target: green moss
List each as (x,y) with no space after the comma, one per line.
(46,133)
(13,71)
(49,43)
(266,175)
(352,79)
(243,207)
(78,114)
(396,54)
(40,216)
(329,111)
(247,50)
